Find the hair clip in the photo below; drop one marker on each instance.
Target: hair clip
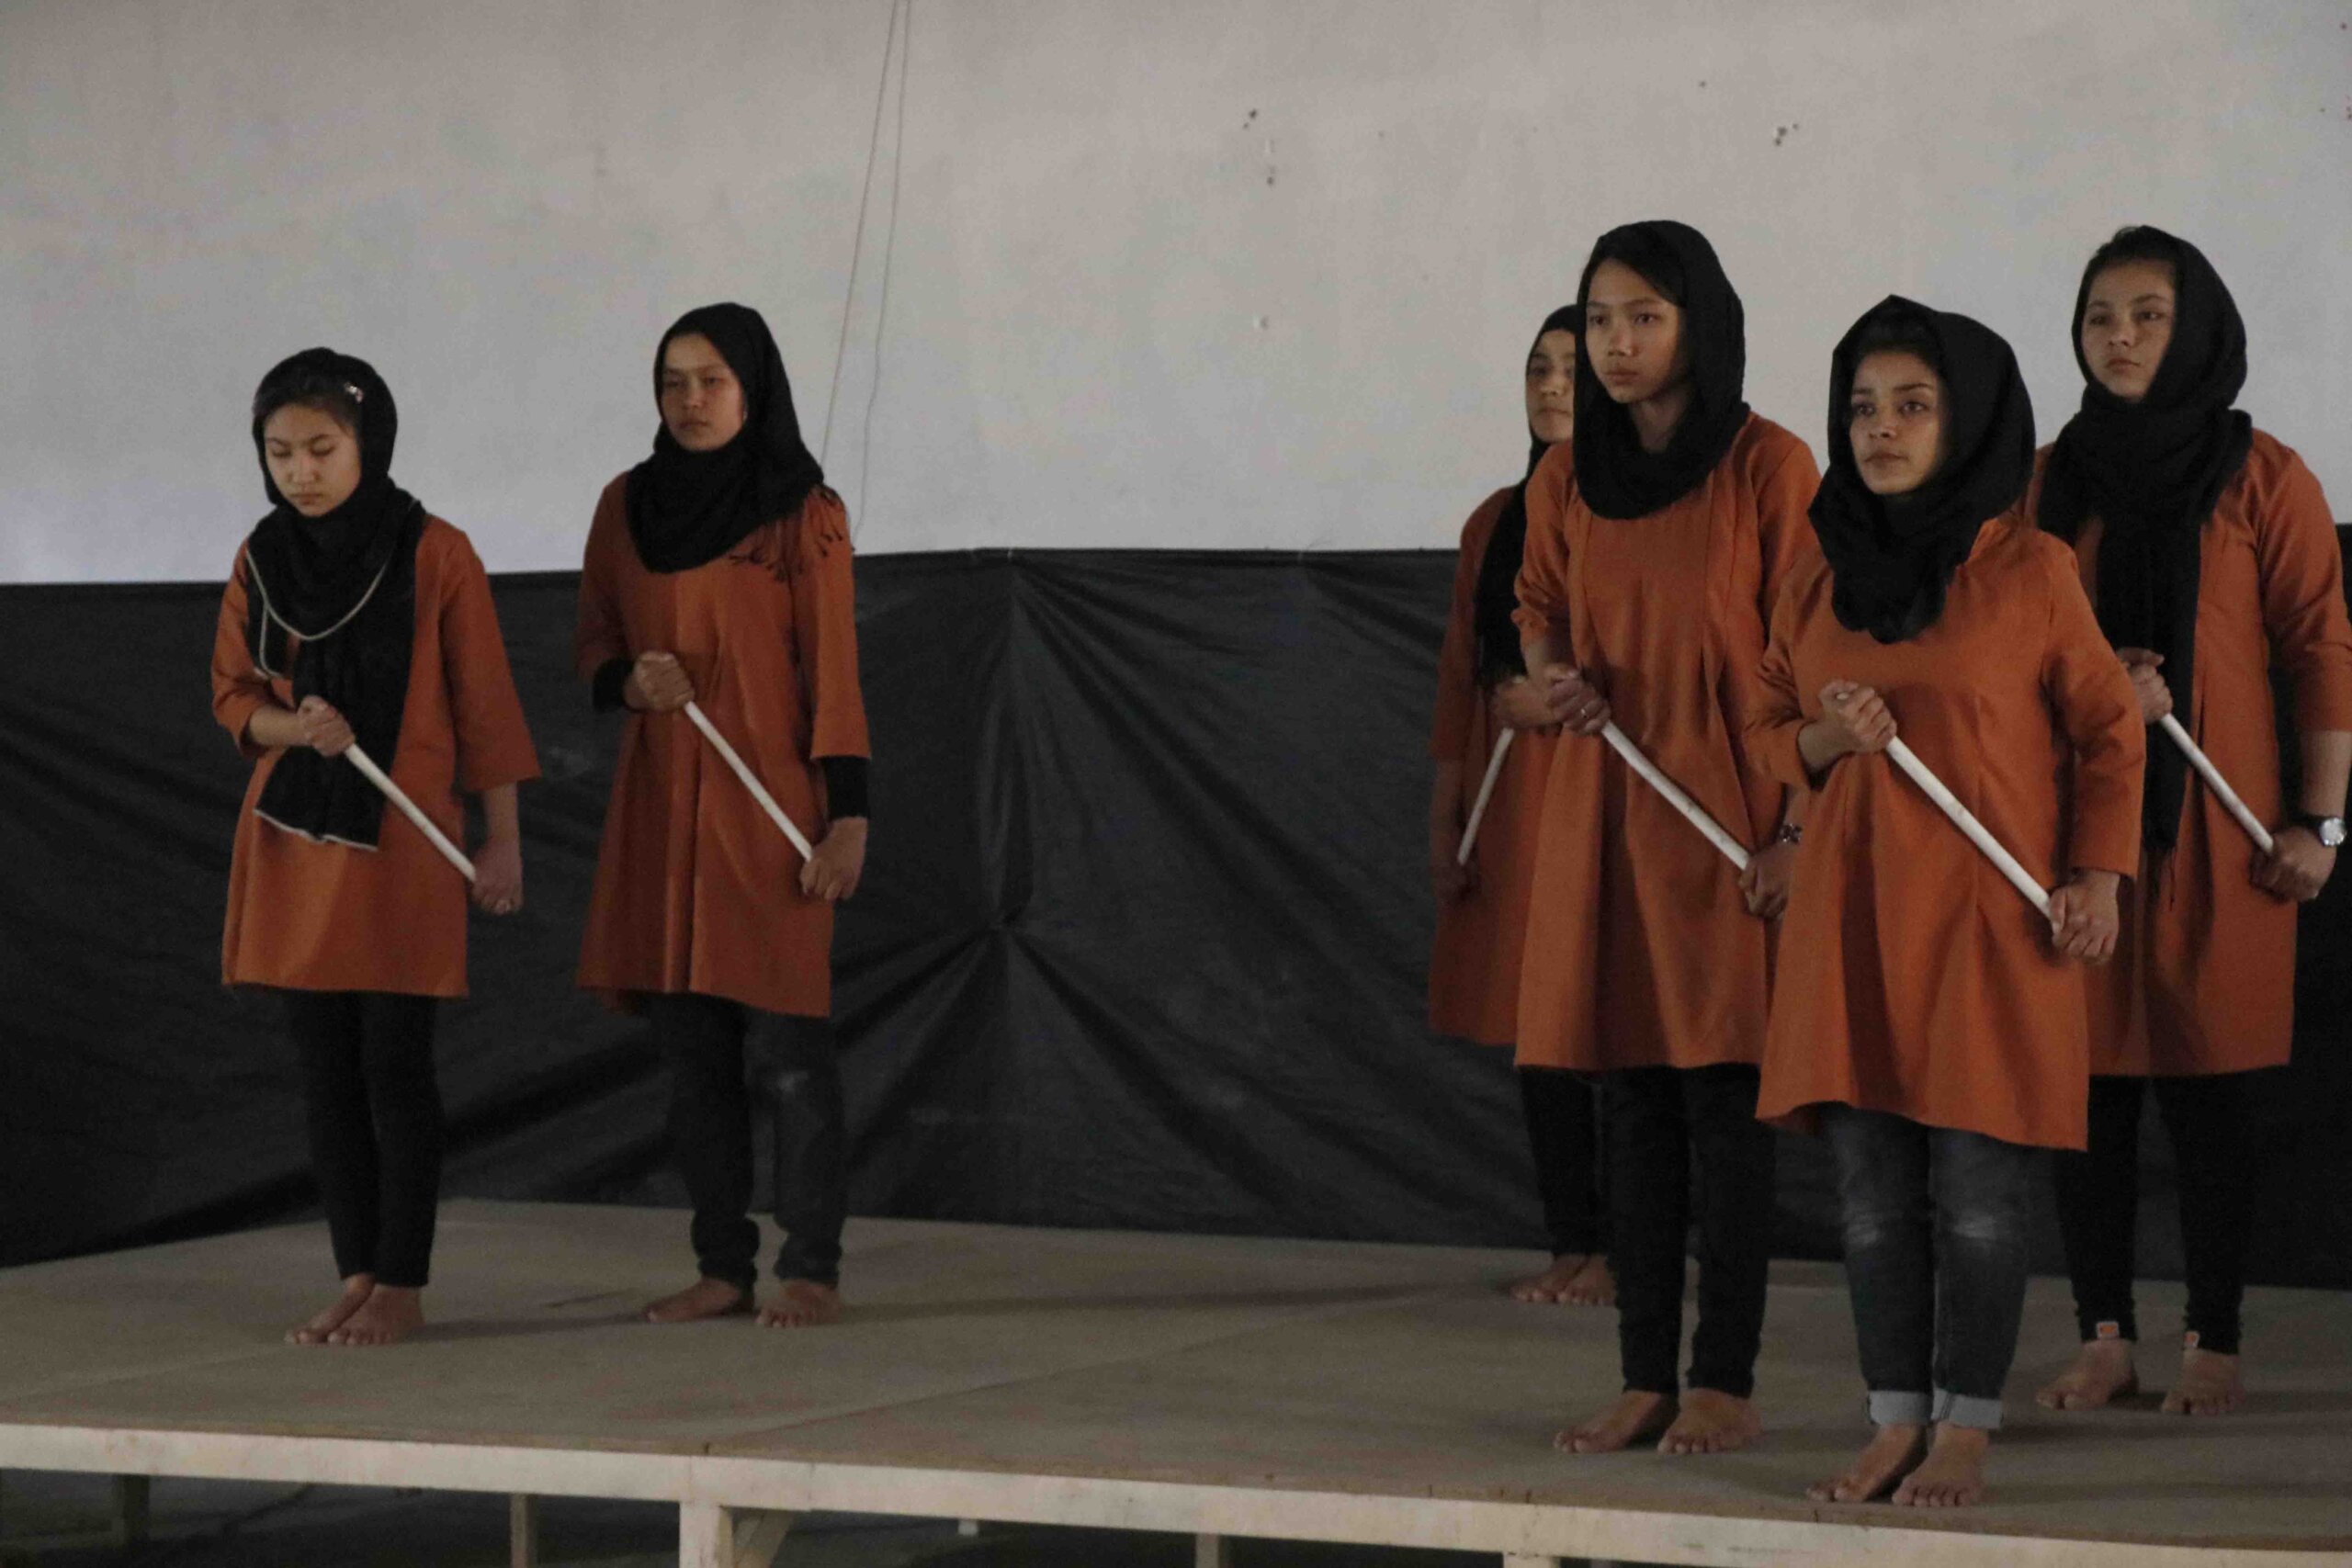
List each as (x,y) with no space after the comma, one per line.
(356,395)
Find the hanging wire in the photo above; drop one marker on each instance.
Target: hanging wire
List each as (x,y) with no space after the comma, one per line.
(857,242)
(889,249)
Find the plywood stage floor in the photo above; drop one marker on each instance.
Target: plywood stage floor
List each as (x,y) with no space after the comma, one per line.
(1217,1387)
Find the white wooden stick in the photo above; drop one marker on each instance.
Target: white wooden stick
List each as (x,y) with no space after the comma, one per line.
(1965,820)
(1691,810)
(2217,783)
(1485,792)
(408,809)
(750,780)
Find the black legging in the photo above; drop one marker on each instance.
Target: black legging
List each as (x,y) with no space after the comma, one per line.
(1563,1130)
(710,1135)
(1664,1124)
(2098,1202)
(374,1111)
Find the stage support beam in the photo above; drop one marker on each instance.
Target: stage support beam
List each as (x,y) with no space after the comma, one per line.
(710,1536)
(522,1531)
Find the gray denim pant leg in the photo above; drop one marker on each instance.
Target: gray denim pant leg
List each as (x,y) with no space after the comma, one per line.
(1934,1223)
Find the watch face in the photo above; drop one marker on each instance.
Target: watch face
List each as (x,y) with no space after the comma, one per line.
(2330,831)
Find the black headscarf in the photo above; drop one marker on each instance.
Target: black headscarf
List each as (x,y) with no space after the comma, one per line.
(1614,475)
(1495,635)
(1892,559)
(2150,471)
(688,508)
(331,600)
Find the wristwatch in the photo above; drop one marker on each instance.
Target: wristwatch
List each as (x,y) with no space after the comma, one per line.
(1794,833)
(2329,829)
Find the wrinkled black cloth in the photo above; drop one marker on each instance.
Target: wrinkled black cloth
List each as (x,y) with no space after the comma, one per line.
(1614,475)
(1495,633)
(1000,944)
(686,509)
(2151,472)
(1892,559)
(331,604)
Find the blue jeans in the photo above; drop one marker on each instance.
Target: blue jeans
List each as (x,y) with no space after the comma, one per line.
(1935,1223)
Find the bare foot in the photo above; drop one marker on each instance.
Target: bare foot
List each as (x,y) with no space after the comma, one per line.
(706,1297)
(1952,1476)
(2101,1372)
(2210,1385)
(1636,1417)
(1712,1422)
(1551,1287)
(315,1331)
(1892,1453)
(1595,1284)
(390,1314)
(802,1304)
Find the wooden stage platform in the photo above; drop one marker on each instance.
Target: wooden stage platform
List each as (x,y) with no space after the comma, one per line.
(1220,1388)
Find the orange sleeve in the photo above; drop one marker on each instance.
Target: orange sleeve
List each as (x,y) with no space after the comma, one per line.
(1774,709)
(597,637)
(1784,522)
(2092,697)
(493,740)
(239,688)
(1457,667)
(2302,597)
(1543,569)
(824,624)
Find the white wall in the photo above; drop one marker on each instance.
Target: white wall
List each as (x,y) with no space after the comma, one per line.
(1227,273)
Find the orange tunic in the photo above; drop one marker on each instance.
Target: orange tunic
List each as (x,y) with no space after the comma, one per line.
(314,917)
(1474,963)
(1640,949)
(1913,977)
(2204,978)
(695,888)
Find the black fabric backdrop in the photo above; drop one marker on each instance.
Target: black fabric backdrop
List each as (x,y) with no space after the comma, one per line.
(1141,942)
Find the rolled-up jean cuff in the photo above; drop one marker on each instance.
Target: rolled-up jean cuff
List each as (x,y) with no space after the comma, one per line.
(1968,1410)
(1899,1407)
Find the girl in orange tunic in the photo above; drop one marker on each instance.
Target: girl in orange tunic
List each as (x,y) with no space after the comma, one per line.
(1483,692)
(2211,556)
(1652,564)
(352,616)
(718,571)
(1925,1016)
